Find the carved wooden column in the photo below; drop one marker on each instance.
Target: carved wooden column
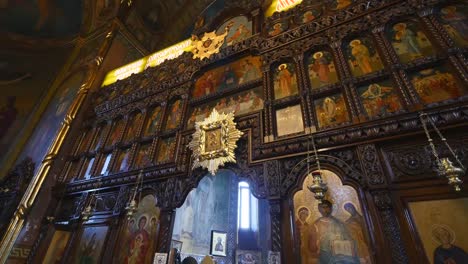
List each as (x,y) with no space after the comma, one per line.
(391,228)
(304,91)
(166,223)
(371,165)
(275,218)
(272,177)
(268,97)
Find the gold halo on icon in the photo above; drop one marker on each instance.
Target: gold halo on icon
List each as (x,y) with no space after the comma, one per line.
(318,55)
(355,42)
(282,66)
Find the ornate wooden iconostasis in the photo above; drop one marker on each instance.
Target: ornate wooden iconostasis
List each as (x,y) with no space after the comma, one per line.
(349,77)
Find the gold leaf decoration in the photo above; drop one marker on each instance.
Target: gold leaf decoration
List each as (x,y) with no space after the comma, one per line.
(214,141)
(209,44)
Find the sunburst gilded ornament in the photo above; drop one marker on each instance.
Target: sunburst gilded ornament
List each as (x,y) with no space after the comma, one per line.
(214,141)
(209,44)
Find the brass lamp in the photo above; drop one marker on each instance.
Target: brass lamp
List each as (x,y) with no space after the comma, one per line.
(318,187)
(445,167)
(89,208)
(132,205)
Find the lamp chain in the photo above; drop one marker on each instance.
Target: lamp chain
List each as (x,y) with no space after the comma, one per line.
(445,142)
(429,139)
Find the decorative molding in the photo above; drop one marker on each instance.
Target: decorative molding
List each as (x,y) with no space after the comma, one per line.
(370,162)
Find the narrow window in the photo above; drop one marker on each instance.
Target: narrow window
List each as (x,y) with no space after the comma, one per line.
(247,209)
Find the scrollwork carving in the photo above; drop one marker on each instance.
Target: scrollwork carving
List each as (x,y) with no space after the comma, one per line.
(370,163)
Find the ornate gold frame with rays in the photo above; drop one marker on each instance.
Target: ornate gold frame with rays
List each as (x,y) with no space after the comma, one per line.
(209,44)
(214,141)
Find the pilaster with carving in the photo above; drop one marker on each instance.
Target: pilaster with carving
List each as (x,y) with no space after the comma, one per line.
(371,165)
(275,219)
(391,228)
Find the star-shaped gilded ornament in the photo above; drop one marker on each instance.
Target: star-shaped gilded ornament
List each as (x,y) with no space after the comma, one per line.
(209,44)
(214,141)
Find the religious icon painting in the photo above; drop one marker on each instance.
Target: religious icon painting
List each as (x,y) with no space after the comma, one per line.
(309,15)
(285,80)
(277,28)
(379,99)
(331,111)
(248,256)
(340,4)
(91,244)
(363,57)
(455,21)
(436,84)
(153,121)
(133,126)
(139,234)
(240,30)
(166,150)
(229,76)
(86,168)
(441,227)
(116,130)
(218,243)
(160,258)
(409,41)
(174,114)
(289,120)
(123,160)
(240,103)
(57,247)
(322,71)
(334,229)
(143,158)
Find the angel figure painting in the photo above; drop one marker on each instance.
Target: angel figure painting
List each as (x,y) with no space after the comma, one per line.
(379,99)
(363,57)
(322,70)
(241,29)
(285,81)
(436,84)
(333,231)
(409,41)
(455,22)
(331,111)
(138,236)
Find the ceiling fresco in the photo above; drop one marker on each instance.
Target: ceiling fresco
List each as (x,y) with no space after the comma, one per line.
(41,18)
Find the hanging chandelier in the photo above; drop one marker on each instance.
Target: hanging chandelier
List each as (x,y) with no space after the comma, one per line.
(318,187)
(132,205)
(445,167)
